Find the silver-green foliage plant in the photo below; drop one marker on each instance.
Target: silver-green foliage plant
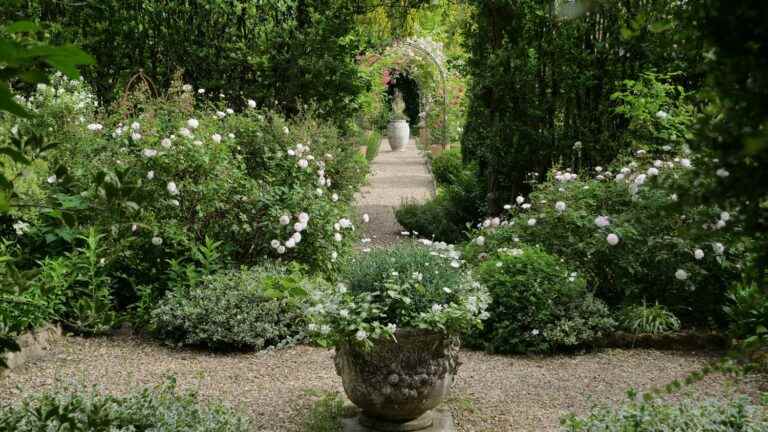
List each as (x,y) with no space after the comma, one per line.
(659,415)
(408,286)
(645,319)
(251,308)
(162,409)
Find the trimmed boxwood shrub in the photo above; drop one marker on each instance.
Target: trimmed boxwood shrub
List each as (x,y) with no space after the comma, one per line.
(538,304)
(252,308)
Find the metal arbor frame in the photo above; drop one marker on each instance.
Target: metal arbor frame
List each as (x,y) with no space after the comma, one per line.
(443,81)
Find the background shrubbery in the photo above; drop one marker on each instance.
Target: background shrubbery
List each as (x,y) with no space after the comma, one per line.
(458,202)
(158,189)
(276,52)
(538,304)
(661,254)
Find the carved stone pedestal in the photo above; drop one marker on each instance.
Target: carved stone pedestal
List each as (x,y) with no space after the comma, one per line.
(436,420)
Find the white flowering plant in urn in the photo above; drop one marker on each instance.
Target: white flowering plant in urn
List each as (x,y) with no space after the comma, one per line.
(395,321)
(381,291)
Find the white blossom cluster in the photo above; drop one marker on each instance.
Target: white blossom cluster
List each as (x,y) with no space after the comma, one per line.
(635,175)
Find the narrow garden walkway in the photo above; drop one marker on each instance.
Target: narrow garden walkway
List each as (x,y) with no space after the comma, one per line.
(395,176)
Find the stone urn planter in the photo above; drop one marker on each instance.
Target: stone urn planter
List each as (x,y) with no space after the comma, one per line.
(396,384)
(398,133)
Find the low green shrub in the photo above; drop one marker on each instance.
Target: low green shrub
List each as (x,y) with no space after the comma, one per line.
(538,304)
(667,416)
(644,319)
(252,308)
(23,306)
(446,165)
(160,409)
(363,272)
(447,216)
(430,220)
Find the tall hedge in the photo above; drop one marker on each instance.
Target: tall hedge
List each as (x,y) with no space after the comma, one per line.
(288,52)
(542,74)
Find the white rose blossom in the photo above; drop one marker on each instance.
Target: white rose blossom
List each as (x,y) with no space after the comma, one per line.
(602,221)
(172,188)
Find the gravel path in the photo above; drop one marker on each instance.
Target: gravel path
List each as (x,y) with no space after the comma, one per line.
(492,393)
(396,176)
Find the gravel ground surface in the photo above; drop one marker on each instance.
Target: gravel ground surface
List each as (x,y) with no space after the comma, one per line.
(395,176)
(492,393)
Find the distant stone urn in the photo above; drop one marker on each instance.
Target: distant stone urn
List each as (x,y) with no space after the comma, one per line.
(397,383)
(398,134)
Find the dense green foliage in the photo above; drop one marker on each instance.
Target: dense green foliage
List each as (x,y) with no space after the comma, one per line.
(622,234)
(30,59)
(287,52)
(747,310)
(160,409)
(458,202)
(157,187)
(251,308)
(543,73)
(538,304)
(658,415)
(734,127)
(446,166)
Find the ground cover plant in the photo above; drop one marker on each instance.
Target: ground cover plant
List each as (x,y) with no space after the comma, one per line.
(738,414)
(162,408)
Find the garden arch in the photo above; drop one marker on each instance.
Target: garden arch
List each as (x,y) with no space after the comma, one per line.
(415,55)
